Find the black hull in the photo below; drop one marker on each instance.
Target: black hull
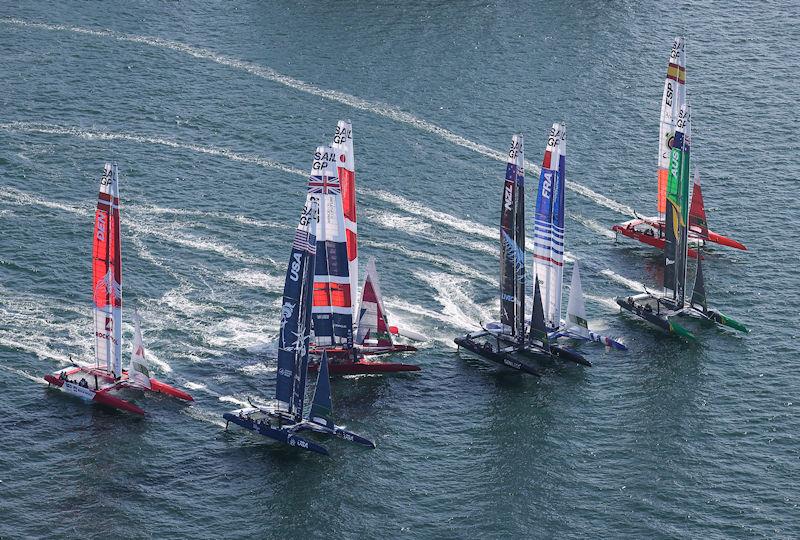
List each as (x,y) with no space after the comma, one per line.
(485,350)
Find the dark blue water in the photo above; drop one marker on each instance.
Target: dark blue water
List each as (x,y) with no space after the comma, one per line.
(213,110)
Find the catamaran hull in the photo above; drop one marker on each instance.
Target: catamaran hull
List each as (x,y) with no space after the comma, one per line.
(569,355)
(341,352)
(484,350)
(281,435)
(654,319)
(647,239)
(164,388)
(364,367)
(87,394)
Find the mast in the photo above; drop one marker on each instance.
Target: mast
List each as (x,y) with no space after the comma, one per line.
(512,242)
(332,310)
(295,310)
(676,229)
(548,242)
(107,275)
(343,144)
(672,99)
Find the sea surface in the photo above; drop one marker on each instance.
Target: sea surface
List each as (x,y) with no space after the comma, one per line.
(213,111)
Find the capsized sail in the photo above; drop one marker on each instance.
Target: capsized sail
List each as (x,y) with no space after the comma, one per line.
(373,326)
(512,242)
(332,312)
(548,238)
(343,144)
(138,372)
(296,313)
(673,98)
(107,275)
(321,405)
(676,226)
(697,213)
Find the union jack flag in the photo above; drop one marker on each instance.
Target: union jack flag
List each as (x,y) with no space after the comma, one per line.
(324,184)
(305,241)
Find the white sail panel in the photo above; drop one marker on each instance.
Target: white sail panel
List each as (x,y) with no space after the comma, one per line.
(138,371)
(576,309)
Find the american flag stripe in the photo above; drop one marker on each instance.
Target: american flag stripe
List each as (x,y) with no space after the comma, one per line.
(305,241)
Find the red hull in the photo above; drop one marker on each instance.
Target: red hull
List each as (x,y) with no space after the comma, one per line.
(101,397)
(164,388)
(725,241)
(647,239)
(365,367)
(339,353)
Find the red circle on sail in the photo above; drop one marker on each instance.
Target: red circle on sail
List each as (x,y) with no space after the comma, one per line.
(342,158)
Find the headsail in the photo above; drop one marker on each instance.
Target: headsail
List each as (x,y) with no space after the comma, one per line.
(373,327)
(699,292)
(107,275)
(676,229)
(697,213)
(538,330)
(673,98)
(343,144)
(576,309)
(296,312)
(321,405)
(138,372)
(512,242)
(332,310)
(548,241)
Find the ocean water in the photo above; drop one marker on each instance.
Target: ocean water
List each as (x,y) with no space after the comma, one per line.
(213,110)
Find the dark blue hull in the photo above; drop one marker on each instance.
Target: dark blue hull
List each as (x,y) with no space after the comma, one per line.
(284,435)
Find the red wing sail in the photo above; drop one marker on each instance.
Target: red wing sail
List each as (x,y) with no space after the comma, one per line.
(373,327)
(107,275)
(343,143)
(697,213)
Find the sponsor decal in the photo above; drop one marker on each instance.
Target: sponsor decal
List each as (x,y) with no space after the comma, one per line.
(100,226)
(321,159)
(294,266)
(509,196)
(547,185)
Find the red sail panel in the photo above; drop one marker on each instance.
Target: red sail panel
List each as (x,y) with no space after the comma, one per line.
(373,326)
(343,143)
(107,274)
(335,295)
(697,212)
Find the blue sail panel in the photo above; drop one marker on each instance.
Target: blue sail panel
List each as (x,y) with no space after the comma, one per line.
(292,339)
(322,405)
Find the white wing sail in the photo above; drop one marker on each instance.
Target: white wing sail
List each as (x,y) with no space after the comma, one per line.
(576,309)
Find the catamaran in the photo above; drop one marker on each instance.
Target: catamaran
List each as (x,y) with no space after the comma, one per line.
(659,309)
(336,283)
(97,383)
(284,420)
(651,230)
(506,342)
(548,249)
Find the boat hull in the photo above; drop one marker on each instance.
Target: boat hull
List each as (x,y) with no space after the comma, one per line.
(341,352)
(637,306)
(96,396)
(283,434)
(364,367)
(485,350)
(647,239)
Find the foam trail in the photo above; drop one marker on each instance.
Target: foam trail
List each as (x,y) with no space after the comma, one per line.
(204,416)
(631,284)
(29,127)
(592,225)
(603,301)
(455,266)
(22,198)
(237,218)
(444,218)
(381,109)
(453,299)
(254,278)
(25,374)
